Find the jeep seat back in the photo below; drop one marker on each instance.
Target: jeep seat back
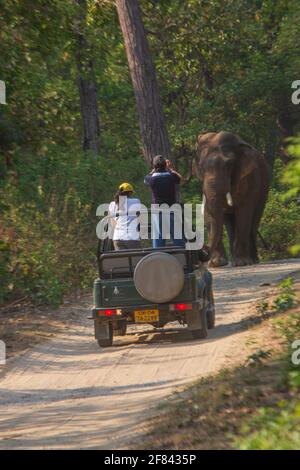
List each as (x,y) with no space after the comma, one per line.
(121,264)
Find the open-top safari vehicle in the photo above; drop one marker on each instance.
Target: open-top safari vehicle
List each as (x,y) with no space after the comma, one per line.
(151,287)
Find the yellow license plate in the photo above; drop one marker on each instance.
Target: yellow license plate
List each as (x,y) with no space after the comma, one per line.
(146,316)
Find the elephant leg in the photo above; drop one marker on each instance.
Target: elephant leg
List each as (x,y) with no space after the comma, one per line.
(215,242)
(253,245)
(253,249)
(242,238)
(229,224)
(218,257)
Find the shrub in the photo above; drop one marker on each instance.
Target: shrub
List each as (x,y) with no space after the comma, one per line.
(280,226)
(48,241)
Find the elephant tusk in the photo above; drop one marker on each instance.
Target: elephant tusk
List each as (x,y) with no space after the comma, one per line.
(229,199)
(203,204)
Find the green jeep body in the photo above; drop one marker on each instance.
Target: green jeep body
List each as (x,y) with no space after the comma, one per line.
(116,298)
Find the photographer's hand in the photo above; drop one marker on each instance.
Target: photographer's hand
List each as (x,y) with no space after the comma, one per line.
(170,167)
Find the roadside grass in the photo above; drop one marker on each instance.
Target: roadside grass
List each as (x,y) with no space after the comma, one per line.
(253,406)
(278,426)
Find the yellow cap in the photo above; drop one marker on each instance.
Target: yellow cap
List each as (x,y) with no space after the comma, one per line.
(126,187)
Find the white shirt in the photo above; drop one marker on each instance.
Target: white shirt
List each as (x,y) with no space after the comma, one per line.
(126,223)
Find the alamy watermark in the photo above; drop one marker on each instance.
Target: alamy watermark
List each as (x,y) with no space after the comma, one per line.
(177,222)
(296,354)
(296,93)
(2,353)
(295,358)
(2,92)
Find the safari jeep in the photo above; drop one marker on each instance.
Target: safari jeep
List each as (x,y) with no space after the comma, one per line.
(148,286)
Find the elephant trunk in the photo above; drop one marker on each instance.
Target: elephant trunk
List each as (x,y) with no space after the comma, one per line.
(217,191)
(216,230)
(216,195)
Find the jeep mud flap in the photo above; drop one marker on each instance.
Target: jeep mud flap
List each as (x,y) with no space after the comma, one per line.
(102,329)
(194,319)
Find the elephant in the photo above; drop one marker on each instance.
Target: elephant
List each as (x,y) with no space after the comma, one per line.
(235,182)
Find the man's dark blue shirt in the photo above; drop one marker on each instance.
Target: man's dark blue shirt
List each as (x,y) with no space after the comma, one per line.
(163,186)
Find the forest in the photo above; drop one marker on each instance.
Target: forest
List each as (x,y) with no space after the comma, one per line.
(69,131)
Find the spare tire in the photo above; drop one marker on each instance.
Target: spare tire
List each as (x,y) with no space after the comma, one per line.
(159,277)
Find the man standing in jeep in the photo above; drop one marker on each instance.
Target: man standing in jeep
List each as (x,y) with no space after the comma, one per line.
(164,181)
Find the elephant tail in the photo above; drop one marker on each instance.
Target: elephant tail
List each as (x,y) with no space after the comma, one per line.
(265,244)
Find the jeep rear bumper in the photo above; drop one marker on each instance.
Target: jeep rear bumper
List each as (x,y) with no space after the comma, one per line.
(127,312)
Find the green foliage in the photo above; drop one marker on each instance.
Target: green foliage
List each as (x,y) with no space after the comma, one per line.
(258,357)
(221,65)
(49,242)
(225,65)
(292,178)
(292,173)
(287,286)
(285,299)
(280,226)
(277,427)
(5,286)
(49,188)
(262,308)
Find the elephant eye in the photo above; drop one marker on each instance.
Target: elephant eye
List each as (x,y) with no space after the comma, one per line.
(229,158)
(229,155)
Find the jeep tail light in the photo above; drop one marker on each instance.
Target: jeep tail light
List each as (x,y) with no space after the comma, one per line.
(110,312)
(180,307)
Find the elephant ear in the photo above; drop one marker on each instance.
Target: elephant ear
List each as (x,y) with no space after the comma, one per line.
(195,168)
(247,160)
(203,141)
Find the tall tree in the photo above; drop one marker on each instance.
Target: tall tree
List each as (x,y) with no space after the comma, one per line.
(87,85)
(154,133)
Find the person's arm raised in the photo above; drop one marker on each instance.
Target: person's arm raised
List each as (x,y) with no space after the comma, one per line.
(171,168)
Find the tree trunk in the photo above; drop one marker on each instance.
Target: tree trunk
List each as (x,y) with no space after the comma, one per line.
(154,133)
(87,86)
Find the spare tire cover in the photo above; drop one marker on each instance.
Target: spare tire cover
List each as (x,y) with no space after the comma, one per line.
(159,277)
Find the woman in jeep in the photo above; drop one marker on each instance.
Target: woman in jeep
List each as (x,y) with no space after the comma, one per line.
(124,212)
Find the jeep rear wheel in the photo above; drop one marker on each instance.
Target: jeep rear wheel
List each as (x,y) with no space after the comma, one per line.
(210,311)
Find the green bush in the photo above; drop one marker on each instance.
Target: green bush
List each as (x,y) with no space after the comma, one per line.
(277,427)
(5,254)
(48,241)
(292,178)
(280,226)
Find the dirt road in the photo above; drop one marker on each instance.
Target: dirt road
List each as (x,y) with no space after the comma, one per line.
(68,393)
